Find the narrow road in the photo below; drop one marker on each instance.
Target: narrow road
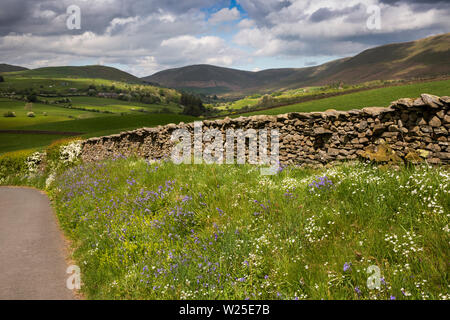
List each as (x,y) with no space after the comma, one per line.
(32,257)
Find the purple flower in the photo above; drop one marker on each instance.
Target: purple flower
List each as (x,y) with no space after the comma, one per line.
(357,290)
(186,199)
(347,266)
(392,298)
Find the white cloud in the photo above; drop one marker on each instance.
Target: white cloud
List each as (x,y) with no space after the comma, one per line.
(246,23)
(330,28)
(225,15)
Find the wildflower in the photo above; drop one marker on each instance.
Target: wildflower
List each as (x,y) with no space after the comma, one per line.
(347,266)
(392,298)
(186,199)
(405,293)
(357,290)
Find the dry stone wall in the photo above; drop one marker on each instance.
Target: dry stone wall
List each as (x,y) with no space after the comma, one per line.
(413,130)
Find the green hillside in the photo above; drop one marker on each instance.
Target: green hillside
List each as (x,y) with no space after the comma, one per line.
(92,72)
(10,68)
(370,98)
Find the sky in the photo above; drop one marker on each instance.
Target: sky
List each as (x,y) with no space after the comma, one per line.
(146,36)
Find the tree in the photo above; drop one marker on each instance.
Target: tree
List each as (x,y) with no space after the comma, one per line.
(32,97)
(2,79)
(193,106)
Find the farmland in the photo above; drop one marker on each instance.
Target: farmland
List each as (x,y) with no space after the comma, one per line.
(121,116)
(91,100)
(380,97)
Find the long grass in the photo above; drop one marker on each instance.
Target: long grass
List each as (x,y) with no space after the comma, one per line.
(159,231)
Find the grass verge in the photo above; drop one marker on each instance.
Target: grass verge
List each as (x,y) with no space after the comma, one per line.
(159,231)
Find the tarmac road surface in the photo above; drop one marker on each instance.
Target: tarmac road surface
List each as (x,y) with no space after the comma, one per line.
(32,251)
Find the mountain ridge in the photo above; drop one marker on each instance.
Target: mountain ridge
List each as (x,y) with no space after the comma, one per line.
(11,68)
(92,71)
(407,60)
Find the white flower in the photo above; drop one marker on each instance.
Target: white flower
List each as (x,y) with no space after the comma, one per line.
(70,153)
(49,181)
(33,161)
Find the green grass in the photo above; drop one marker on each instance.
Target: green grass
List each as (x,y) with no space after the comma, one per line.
(58,85)
(92,127)
(118,106)
(13,142)
(161,231)
(54,114)
(112,123)
(236,105)
(371,98)
(60,119)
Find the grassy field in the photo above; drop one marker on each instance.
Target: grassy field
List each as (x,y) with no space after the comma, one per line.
(161,231)
(13,142)
(58,85)
(371,98)
(289,95)
(53,114)
(114,123)
(118,106)
(60,119)
(91,127)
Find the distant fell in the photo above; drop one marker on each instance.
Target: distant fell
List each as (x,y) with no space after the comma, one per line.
(91,72)
(429,57)
(10,68)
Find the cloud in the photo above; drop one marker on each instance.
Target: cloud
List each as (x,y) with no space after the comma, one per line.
(334,28)
(225,15)
(146,36)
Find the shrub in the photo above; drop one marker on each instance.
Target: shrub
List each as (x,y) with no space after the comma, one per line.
(32,98)
(63,150)
(14,163)
(31,114)
(9,114)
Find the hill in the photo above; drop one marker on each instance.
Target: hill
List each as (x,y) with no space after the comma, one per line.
(85,72)
(429,57)
(10,68)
